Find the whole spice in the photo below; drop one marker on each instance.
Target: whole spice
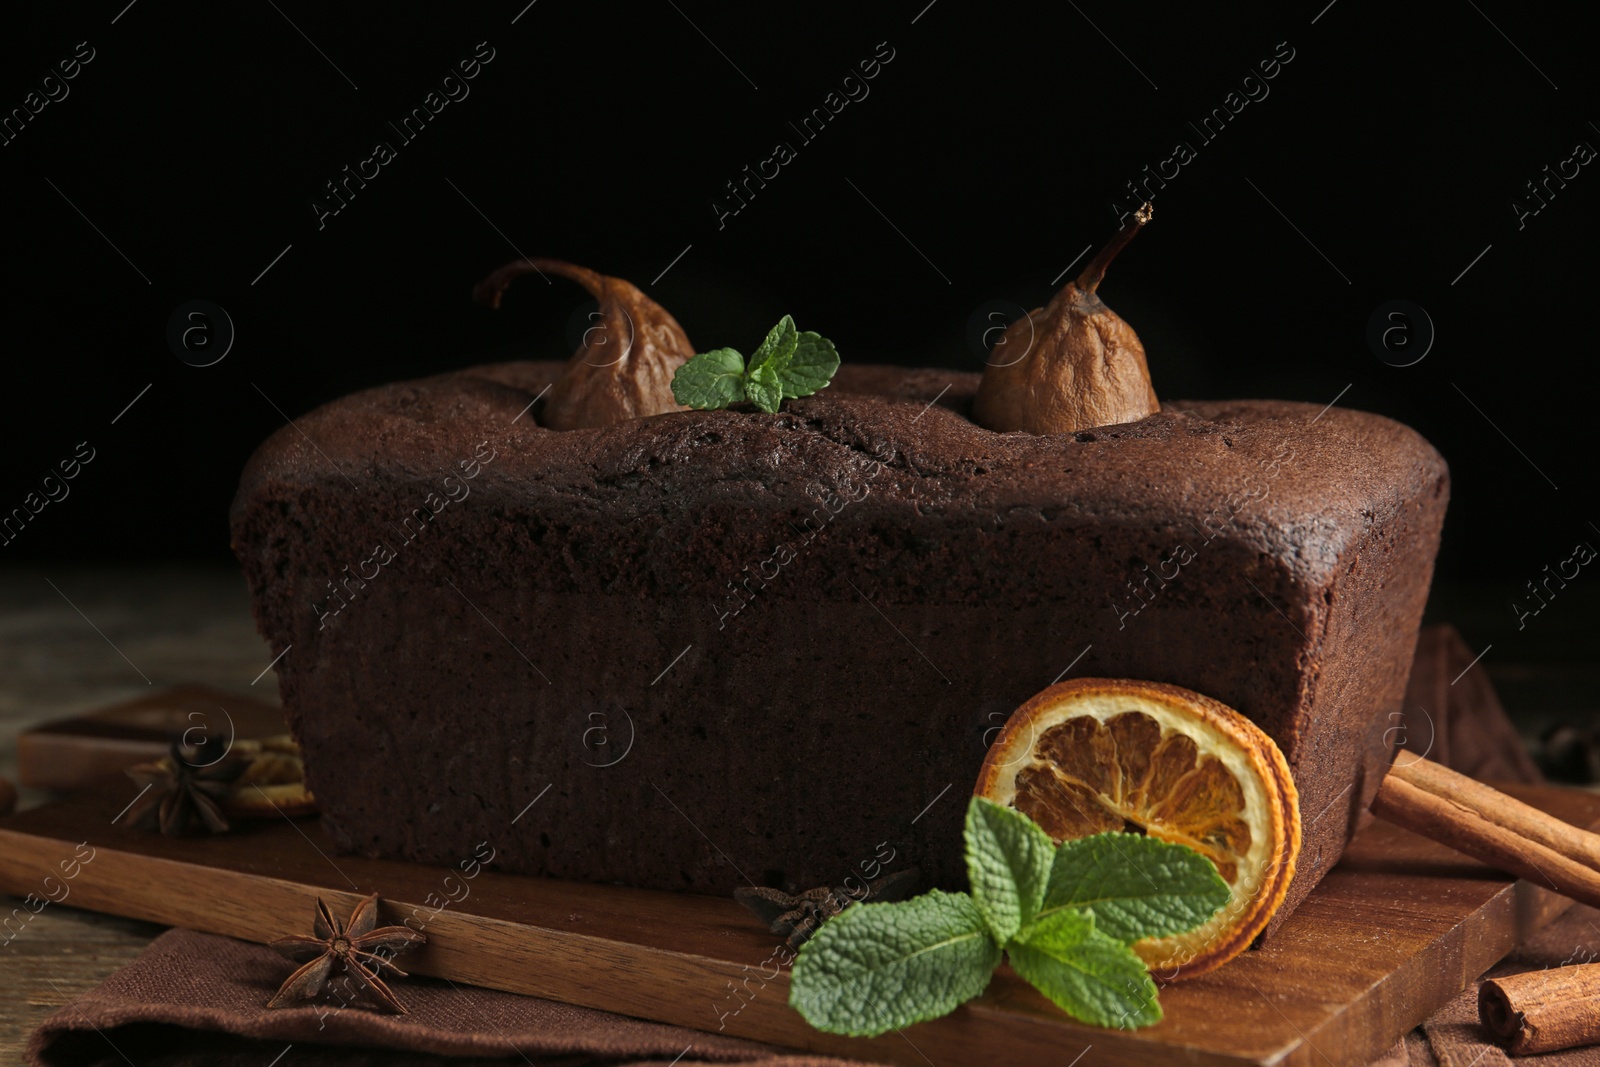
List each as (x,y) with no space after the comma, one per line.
(624,365)
(796,916)
(1072,365)
(1452,809)
(183,792)
(1543,1011)
(194,788)
(355,948)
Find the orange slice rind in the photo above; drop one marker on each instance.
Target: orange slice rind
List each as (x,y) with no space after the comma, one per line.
(273,782)
(1094,755)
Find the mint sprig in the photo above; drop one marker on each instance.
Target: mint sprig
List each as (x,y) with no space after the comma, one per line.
(788,364)
(1064,915)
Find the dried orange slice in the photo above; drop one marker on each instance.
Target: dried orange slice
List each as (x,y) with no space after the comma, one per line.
(273,782)
(1097,754)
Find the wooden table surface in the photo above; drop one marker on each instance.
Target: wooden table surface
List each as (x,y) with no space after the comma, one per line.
(75,638)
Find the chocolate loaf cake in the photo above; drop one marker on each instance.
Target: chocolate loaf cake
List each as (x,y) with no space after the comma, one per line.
(712,648)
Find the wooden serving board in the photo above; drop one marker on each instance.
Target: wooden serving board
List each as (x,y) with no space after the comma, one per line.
(1394,931)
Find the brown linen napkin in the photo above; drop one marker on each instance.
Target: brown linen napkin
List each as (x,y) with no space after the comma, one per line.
(195,998)
(1410,1051)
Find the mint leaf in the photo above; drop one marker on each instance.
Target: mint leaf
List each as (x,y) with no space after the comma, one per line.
(763,388)
(811,367)
(710,380)
(876,967)
(1086,973)
(788,364)
(778,348)
(1137,886)
(1008,862)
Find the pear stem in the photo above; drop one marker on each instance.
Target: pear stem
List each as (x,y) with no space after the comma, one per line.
(489,291)
(1095,272)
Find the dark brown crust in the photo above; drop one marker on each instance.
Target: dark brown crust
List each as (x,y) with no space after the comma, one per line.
(941,574)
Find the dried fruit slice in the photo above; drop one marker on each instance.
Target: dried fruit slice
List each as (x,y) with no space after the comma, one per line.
(1097,754)
(273,782)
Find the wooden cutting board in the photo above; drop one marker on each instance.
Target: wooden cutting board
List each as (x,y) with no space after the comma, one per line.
(1392,933)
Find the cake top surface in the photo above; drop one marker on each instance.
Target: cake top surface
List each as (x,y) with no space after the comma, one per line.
(1297,480)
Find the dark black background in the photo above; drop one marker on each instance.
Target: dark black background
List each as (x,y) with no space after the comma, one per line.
(995,142)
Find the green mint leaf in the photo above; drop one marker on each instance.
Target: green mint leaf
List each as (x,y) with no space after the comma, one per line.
(1137,886)
(788,364)
(811,367)
(876,967)
(1008,862)
(763,387)
(778,348)
(710,380)
(1085,972)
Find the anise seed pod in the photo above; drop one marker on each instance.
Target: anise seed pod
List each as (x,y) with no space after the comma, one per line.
(1081,365)
(182,793)
(357,947)
(624,365)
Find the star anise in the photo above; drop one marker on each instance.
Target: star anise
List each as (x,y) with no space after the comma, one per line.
(798,916)
(183,791)
(354,948)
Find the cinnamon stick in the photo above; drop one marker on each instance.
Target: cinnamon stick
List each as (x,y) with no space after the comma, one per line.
(1489,803)
(1491,827)
(1543,1011)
